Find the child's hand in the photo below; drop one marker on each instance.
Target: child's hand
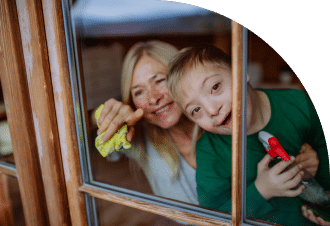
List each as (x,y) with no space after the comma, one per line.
(306,212)
(273,182)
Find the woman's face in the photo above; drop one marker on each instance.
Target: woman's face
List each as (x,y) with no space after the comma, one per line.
(149,92)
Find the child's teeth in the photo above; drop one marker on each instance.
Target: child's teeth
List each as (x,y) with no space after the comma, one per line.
(163,109)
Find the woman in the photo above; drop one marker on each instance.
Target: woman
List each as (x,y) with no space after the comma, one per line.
(163,135)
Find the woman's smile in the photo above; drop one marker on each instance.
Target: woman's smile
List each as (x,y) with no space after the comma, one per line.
(164,109)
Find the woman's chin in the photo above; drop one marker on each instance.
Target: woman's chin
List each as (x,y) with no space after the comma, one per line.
(165,124)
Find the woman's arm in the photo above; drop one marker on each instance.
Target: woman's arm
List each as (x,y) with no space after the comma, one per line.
(114,115)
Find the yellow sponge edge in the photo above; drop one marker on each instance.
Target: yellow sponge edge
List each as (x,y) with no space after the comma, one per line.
(117,142)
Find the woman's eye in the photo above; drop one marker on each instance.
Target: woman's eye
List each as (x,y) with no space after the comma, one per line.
(195,111)
(137,93)
(215,87)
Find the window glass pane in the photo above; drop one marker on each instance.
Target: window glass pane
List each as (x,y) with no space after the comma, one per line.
(6,149)
(104,40)
(119,171)
(288,110)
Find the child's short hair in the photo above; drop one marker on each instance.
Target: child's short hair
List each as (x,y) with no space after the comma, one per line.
(188,58)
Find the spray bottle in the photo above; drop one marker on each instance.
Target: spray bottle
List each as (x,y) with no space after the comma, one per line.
(313,194)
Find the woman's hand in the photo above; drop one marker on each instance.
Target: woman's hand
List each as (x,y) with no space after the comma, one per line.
(306,212)
(273,182)
(308,159)
(114,115)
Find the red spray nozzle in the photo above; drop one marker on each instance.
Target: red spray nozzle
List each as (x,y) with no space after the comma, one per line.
(277,149)
(273,146)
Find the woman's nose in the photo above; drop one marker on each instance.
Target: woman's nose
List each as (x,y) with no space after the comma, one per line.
(155,96)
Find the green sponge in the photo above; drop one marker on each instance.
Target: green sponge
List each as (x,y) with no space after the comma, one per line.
(117,142)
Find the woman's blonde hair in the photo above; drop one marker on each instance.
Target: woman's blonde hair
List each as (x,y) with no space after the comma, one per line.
(158,137)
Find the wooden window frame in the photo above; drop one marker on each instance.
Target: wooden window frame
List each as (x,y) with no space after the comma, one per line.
(17,101)
(37,90)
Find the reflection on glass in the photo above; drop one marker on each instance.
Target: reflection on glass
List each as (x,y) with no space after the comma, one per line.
(10,201)
(115,214)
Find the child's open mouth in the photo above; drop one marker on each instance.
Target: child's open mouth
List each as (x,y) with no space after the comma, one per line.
(227,120)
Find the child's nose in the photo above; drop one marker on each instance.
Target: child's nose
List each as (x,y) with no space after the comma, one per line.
(213,109)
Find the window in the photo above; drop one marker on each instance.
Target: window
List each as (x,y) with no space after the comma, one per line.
(104,38)
(50,65)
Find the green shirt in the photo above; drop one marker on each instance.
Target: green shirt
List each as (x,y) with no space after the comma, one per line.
(293,122)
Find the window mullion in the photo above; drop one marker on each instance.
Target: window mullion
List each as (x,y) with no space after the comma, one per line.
(244,134)
(237,95)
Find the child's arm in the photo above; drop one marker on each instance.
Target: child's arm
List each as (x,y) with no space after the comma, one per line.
(214,185)
(316,138)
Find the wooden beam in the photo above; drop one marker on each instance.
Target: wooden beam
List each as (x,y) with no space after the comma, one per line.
(32,27)
(59,68)
(152,208)
(8,171)
(20,118)
(237,56)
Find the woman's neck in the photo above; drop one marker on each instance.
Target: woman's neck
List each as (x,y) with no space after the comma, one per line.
(184,128)
(182,136)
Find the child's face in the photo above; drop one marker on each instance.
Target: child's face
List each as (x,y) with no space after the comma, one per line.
(206,97)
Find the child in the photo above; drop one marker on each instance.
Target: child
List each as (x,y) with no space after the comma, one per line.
(199,80)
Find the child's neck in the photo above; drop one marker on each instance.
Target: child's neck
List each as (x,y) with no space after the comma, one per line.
(261,110)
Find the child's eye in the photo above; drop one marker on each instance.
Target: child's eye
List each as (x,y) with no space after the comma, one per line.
(160,80)
(215,87)
(195,111)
